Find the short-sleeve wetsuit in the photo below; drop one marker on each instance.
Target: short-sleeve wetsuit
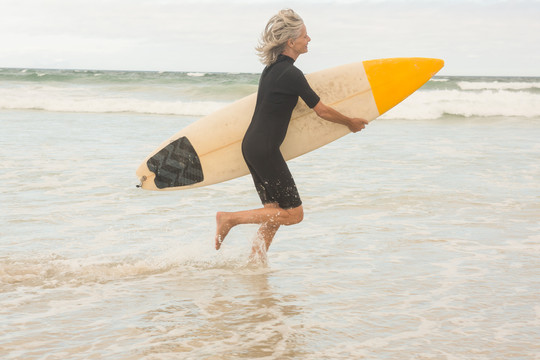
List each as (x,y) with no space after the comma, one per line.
(280,85)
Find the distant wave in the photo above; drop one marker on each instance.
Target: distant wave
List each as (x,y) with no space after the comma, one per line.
(199,93)
(196,108)
(497,85)
(432,104)
(91,102)
(440,80)
(435,104)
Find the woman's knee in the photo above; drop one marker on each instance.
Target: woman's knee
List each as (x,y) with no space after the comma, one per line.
(296,215)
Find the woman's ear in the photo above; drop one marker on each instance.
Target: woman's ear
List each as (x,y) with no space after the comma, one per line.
(290,43)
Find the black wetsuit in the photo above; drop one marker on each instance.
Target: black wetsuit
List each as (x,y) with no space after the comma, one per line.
(280,86)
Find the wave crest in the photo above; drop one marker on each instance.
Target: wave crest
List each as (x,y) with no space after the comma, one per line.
(434,104)
(58,101)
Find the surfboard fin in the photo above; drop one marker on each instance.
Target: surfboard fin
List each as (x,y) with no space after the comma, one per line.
(142,180)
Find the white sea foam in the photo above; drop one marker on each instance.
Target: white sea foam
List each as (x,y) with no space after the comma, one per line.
(435,104)
(87,101)
(421,105)
(55,270)
(199,94)
(497,85)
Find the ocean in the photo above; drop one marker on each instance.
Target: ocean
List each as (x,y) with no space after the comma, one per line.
(421,236)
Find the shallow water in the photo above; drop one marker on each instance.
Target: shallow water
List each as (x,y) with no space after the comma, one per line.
(420,240)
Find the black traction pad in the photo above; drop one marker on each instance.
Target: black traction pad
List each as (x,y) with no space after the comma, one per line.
(177,164)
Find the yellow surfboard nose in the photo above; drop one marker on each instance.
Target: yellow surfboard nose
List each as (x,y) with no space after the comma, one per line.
(392,80)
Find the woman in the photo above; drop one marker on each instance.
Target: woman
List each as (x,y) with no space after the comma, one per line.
(283,40)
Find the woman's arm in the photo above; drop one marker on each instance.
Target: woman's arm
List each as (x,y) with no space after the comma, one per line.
(332,115)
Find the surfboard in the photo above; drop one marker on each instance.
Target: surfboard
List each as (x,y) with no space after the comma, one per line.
(208,151)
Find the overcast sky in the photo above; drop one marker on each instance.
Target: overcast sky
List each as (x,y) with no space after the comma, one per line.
(489,37)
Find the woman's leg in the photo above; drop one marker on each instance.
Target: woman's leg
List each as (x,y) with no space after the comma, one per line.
(268,230)
(262,241)
(272,215)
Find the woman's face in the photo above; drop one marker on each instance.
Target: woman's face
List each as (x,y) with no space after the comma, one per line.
(300,44)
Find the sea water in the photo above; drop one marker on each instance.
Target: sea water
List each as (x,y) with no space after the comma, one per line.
(421,237)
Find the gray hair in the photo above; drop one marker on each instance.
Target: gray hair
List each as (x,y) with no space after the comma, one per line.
(282,27)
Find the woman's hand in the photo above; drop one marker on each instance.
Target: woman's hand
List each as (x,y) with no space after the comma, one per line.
(357,124)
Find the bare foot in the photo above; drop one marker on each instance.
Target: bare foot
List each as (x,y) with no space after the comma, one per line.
(223,226)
